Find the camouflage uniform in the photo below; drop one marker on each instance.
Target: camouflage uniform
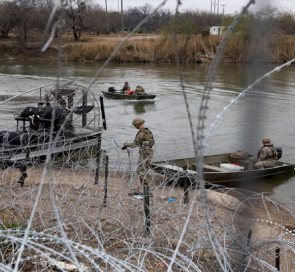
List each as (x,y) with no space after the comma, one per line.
(139,90)
(144,140)
(267,157)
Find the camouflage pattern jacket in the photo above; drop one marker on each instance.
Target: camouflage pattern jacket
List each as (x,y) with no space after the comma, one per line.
(144,140)
(139,90)
(267,153)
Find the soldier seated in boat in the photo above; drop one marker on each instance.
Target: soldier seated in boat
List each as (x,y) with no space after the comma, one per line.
(126,88)
(266,156)
(139,90)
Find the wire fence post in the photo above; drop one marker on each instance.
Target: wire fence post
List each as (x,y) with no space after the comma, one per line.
(147,221)
(278,258)
(98,153)
(242,265)
(186,190)
(106,181)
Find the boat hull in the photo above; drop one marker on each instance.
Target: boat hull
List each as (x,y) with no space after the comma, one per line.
(181,168)
(128,97)
(34,151)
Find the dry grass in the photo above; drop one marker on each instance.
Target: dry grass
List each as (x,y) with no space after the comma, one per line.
(159,48)
(191,49)
(118,228)
(282,48)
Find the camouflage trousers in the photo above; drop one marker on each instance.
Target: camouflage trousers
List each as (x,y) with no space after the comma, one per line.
(265,164)
(253,164)
(143,166)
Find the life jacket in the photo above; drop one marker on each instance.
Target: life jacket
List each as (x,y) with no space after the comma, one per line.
(130,92)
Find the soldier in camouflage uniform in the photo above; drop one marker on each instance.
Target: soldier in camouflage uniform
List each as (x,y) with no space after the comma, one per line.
(139,90)
(144,140)
(266,156)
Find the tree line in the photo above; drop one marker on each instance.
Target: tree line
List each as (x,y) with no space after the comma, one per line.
(23,17)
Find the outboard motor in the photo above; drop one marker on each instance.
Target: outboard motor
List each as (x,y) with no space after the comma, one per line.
(279,152)
(111,90)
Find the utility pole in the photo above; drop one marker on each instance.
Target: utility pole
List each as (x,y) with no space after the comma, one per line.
(217,7)
(222,13)
(214,5)
(107,19)
(211,6)
(122,15)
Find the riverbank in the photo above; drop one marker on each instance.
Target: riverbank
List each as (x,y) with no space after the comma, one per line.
(155,49)
(114,235)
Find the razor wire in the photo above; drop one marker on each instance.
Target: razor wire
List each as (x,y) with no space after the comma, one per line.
(69,225)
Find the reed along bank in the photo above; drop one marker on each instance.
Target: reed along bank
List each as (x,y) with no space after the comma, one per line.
(160,49)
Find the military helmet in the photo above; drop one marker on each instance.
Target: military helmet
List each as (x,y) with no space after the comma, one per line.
(265,140)
(137,121)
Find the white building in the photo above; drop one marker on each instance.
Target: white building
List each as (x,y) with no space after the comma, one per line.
(216,30)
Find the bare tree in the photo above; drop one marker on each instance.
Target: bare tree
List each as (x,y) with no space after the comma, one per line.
(76,14)
(8,17)
(285,23)
(27,16)
(95,20)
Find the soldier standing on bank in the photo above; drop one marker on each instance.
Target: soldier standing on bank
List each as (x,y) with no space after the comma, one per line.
(144,140)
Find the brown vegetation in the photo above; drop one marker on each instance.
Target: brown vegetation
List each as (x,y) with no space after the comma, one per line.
(192,49)
(158,48)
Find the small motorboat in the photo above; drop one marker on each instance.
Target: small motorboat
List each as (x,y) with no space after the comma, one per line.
(218,169)
(114,94)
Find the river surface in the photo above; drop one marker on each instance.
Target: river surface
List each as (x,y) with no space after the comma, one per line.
(266,110)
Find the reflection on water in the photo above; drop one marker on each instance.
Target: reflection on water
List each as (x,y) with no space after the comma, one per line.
(267,184)
(141,107)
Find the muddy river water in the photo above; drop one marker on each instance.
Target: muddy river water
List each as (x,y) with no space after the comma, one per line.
(266,110)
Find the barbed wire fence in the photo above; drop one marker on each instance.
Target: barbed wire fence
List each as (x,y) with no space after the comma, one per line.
(62,220)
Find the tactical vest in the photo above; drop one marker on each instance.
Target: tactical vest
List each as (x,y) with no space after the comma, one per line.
(145,142)
(274,152)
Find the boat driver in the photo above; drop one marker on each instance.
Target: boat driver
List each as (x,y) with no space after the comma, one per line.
(126,88)
(266,156)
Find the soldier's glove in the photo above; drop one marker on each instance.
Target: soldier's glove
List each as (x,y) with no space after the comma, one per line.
(124,147)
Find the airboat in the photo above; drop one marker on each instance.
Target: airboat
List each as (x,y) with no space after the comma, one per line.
(64,119)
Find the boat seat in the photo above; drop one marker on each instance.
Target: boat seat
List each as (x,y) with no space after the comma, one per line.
(22,118)
(214,168)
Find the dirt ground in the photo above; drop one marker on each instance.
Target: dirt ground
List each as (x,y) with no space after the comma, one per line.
(71,204)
